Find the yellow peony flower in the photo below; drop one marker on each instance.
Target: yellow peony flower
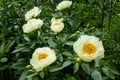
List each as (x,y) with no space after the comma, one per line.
(64,5)
(32,13)
(89,48)
(42,57)
(57,25)
(32,25)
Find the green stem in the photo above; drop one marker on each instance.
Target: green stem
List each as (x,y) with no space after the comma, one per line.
(46,73)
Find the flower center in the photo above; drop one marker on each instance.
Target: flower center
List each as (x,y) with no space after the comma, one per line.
(42,56)
(57,23)
(30,21)
(89,48)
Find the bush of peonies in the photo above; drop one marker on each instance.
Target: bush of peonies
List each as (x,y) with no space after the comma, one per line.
(58,50)
(87,47)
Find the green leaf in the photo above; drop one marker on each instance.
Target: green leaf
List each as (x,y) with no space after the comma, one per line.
(76,67)
(52,43)
(4,59)
(57,68)
(42,74)
(9,45)
(114,70)
(106,71)
(30,78)
(69,43)
(23,75)
(17,50)
(86,68)
(32,75)
(20,64)
(97,63)
(66,63)
(26,37)
(2,49)
(60,57)
(96,75)
(66,53)
(3,67)
(72,23)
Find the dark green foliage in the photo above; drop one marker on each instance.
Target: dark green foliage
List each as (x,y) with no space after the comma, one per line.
(99,18)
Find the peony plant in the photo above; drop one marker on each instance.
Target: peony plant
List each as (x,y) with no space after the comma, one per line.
(63,47)
(87,47)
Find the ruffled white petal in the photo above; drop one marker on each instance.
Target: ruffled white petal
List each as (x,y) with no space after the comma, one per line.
(38,65)
(82,41)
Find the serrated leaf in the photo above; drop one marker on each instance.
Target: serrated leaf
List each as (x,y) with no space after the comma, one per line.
(96,75)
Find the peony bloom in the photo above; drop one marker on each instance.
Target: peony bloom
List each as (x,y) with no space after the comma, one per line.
(89,48)
(64,5)
(57,25)
(42,57)
(32,13)
(32,25)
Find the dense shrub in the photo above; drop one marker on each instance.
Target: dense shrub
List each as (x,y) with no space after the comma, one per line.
(98,18)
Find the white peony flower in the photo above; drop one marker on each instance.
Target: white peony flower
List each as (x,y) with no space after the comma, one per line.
(32,13)
(89,48)
(42,57)
(32,25)
(57,25)
(64,5)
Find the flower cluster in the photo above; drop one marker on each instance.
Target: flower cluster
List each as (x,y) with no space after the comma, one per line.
(57,25)
(32,23)
(87,47)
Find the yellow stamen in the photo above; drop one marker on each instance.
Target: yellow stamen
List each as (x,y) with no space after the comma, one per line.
(42,56)
(57,23)
(89,48)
